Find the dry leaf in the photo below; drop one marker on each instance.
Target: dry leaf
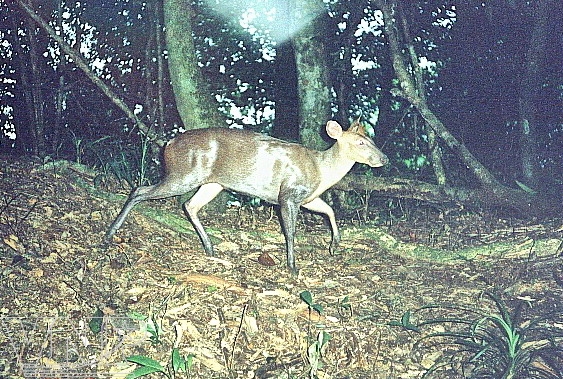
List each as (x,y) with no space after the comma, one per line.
(211,280)
(35,273)
(266,260)
(14,242)
(51,364)
(250,325)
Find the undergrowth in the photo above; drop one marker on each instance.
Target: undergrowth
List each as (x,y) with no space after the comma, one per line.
(482,343)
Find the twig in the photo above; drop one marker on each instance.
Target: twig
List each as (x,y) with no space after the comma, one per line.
(238,332)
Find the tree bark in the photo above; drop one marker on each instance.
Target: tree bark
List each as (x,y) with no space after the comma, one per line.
(195,105)
(194,101)
(160,67)
(36,101)
(312,77)
(433,146)
(286,122)
(61,91)
(25,138)
(342,80)
(529,89)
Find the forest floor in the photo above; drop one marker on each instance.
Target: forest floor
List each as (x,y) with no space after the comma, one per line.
(69,308)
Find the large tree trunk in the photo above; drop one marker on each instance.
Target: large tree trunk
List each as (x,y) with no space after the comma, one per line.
(59,123)
(312,77)
(193,98)
(531,83)
(194,101)
(25,136)
(496,194)
(36,100)
(161,120)
(286,123)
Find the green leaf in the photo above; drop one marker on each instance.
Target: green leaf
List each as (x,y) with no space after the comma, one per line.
(190,361)
(406,318)
(317,307)
(178,362)
(146,362)
(406,322)
(324,338)
(141,371)
(96,322)
(137,316)
(306,297)
(152,328)
(345,303)
(211,289)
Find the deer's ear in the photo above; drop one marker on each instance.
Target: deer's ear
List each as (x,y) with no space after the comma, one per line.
(357,127)
(333,129)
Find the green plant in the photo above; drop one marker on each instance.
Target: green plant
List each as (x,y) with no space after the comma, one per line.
(492,344)
(177,363)
(151,326)
(147,366)
(308,299)
(143,161)
(81,145)
(316,348)
(96,321)
(315,353)
(344,307)
(126,161)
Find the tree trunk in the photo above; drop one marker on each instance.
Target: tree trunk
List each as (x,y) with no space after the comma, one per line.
(531,83)
(341,74)
(433,146)
(161,120)
(61,92)
(193,98)
(415,189)
(312,78)
(286,123)
(25,140)
(36,102)
(194,101)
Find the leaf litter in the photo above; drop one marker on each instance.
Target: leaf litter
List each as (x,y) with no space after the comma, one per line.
(154,290)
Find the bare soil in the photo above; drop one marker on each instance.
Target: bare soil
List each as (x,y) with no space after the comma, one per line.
(69,308)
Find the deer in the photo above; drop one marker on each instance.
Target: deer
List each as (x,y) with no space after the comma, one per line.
(278,172)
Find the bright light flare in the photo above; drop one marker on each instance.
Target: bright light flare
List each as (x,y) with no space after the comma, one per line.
(277,19)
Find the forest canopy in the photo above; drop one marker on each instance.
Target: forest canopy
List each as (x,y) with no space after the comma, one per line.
(462,95)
